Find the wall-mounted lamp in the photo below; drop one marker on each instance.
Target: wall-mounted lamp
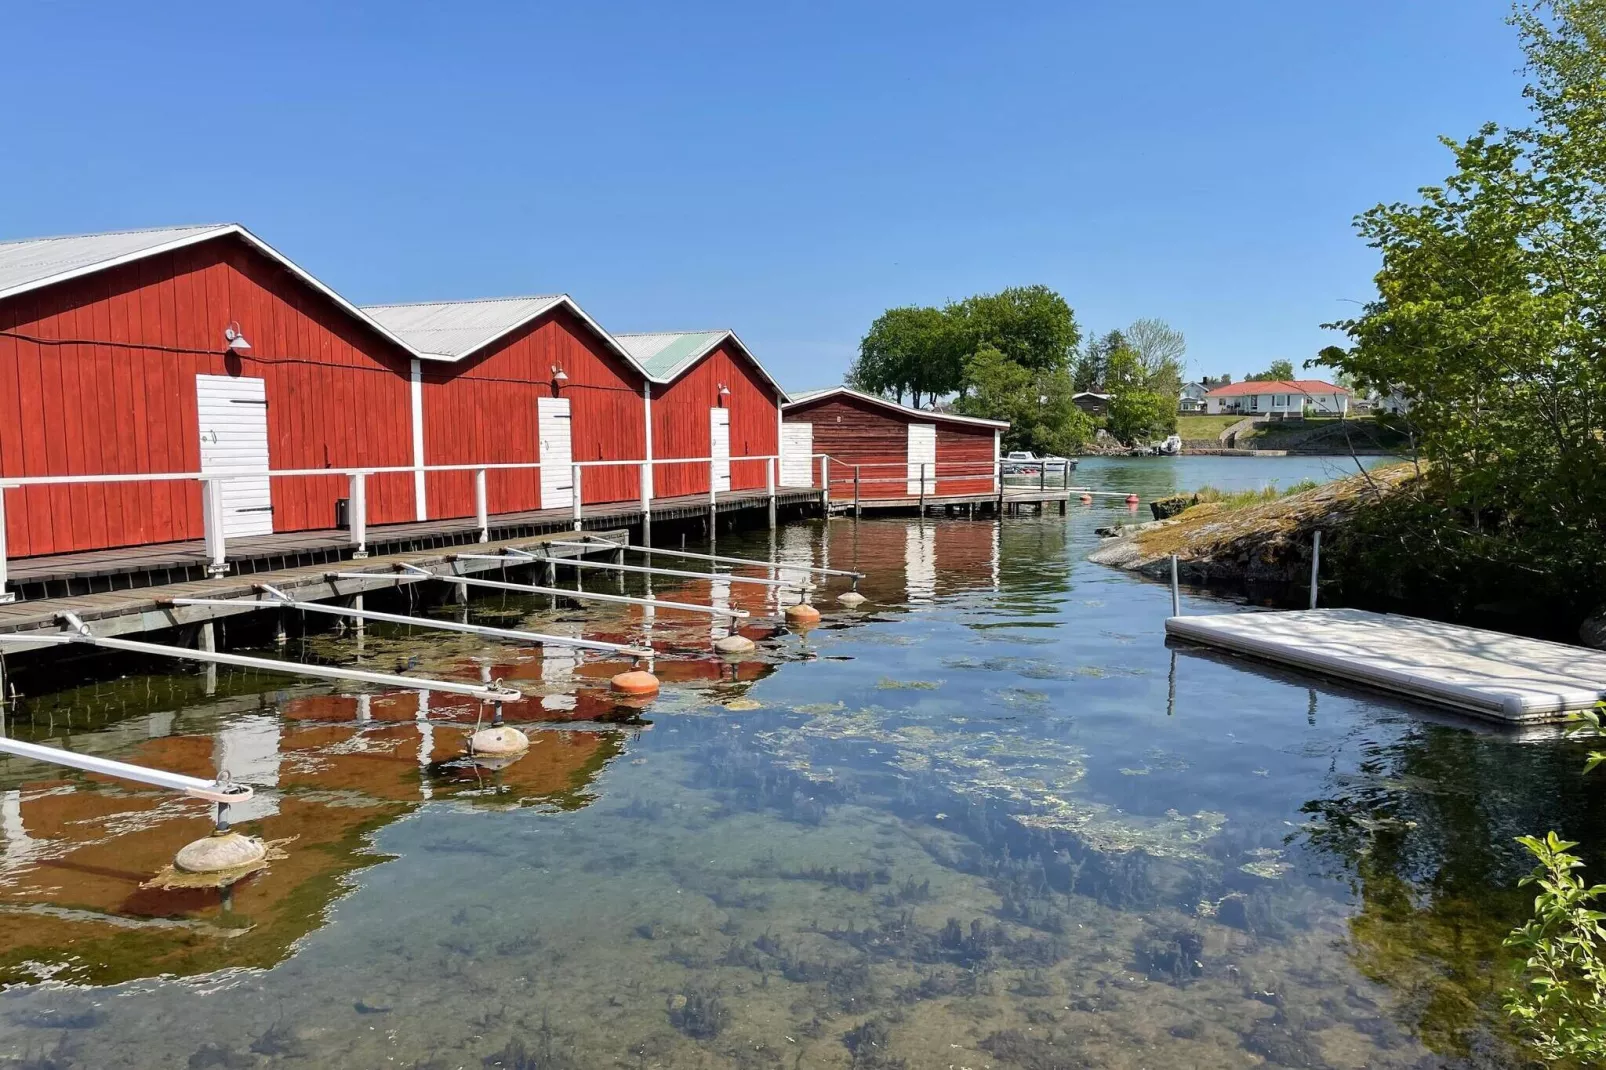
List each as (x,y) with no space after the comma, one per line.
(236,340)
(724,391)
(558,374)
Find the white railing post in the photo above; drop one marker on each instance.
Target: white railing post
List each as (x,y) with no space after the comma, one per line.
(769,488)
(713,493)
(358,514)
(7,596)
(922,488)
(646,502)
(212,526)
(1315,564)
(825,481)
(482,512)
(578,517)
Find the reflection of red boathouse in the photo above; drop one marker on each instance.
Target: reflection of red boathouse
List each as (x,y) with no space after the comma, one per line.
(332,770)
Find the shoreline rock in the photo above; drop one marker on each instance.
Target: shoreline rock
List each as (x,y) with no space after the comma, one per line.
(1262,544)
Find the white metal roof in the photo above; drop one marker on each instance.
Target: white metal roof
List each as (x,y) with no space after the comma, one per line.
(667,355)
(453,330)
(34,263)
(811,396)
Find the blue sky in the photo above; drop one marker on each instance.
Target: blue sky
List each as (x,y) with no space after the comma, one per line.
(787,170)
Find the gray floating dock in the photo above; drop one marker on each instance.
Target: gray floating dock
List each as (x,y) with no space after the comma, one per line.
(1501,677)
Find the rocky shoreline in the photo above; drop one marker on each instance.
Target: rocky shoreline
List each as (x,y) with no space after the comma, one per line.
(1266,543)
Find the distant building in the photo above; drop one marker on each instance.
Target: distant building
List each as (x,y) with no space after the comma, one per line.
(1091,403)
(1278,398)
(1192,398)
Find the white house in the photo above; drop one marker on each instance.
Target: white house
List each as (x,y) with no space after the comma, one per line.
(1279,398)
(1192,397)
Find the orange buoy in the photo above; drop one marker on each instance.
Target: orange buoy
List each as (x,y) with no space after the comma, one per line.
(1087,499)
(1133,499)
(802,613)
(635,682)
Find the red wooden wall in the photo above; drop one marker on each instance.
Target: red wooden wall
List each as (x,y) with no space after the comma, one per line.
(103,381)
(680,422)
(483,410)
(964,459)
(858,432)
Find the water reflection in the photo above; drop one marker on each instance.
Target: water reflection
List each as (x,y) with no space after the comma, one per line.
(986,820)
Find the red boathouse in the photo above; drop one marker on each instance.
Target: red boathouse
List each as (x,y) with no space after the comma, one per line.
(899,452)
(187,349)
(710,398)
(519,380)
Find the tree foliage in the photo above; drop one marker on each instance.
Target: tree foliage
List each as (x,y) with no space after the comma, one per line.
(1487,320)
(1138,415)
(915,351)
(1036,402)
(1030,325)
(1280,371)
(1158,349)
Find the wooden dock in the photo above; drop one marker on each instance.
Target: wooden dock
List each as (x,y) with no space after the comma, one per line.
(1504,678)
(148,609)
(1010,501)
(98,571)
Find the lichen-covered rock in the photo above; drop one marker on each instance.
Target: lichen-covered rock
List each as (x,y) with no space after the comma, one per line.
(1265,543)
(1166,508)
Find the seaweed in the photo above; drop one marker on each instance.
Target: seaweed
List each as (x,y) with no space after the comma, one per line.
(867,1043)
(1174,957)
(699,1013)
(854,880)
(1032,1052)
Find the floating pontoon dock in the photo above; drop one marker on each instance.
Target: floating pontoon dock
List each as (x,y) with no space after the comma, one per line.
(1502,677)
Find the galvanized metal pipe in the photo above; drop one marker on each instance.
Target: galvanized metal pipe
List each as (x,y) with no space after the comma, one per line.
(195,787)
(608,544)
(421,622)
(718,577)
(290,668)
(595,596)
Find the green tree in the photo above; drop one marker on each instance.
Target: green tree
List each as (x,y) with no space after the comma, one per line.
(1280,371)
(1093,365)
(1138,416)
(1030,325)
(913,350)
(1037,403)
(1487,320)
(1159,350)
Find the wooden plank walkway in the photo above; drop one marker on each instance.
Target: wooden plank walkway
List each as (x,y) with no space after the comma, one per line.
(1501,677)
(144,609)
(140,566)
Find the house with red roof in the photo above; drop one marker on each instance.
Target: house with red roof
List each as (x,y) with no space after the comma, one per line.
(1277,399)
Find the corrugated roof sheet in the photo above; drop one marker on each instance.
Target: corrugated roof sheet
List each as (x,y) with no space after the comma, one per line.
(32,262)
(664,354)
(798,400)
(454,329)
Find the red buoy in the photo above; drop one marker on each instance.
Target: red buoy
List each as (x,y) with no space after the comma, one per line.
(635,682)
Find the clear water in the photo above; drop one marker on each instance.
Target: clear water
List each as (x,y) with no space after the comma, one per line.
(987,820)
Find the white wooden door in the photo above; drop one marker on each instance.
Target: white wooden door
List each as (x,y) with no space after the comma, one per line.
(234,438)
(797,455)
(719,438)
(922,450)
(557,453)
